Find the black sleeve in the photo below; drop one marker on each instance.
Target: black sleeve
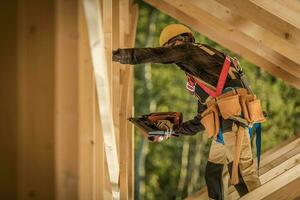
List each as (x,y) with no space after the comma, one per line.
(190,127)
(170,54)
(193,126)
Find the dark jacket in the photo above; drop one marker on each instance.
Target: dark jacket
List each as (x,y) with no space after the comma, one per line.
(199,60)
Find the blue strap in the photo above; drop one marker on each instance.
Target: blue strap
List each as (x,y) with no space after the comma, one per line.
(220,138)
(250,129)
(257,127)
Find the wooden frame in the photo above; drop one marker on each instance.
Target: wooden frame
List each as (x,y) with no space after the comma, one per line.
(116,89)
(67,128)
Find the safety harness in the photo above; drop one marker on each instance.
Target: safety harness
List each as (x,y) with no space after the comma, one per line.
(221,82)
(215,92)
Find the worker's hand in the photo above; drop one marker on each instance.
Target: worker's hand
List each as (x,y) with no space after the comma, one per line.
(165,125)
(116,56)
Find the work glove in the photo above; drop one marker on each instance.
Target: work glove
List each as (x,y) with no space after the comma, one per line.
(123,56)
(116,56)
(165,125)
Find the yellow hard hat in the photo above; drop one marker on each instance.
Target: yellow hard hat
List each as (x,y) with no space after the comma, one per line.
(171,31)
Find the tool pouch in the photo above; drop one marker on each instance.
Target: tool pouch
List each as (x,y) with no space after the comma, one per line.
(210,120)
(229,106)
(251,108)
(255,111)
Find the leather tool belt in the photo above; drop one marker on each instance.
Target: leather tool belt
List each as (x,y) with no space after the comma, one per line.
(237,105)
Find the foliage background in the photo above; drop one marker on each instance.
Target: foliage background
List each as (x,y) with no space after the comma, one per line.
(175,168)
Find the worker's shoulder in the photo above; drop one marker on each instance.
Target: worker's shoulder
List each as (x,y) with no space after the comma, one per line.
(211,51)
(198,47)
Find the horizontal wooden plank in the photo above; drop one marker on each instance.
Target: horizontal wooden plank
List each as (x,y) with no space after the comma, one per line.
(289,191)
(280,152)
(276,171)
(285,144)
(275,184)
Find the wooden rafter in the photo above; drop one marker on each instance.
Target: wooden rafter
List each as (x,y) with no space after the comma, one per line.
(272,15)
(218,31)
(275,49)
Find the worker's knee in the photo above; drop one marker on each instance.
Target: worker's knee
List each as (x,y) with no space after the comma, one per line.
(249,174)
(213,178)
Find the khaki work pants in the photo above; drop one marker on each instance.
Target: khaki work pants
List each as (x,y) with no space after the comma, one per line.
(224,154)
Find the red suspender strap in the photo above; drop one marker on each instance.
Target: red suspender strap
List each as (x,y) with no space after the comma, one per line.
(221,81)
(209,91)
(223,75)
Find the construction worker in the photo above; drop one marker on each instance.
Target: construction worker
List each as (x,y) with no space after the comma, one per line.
(207,70)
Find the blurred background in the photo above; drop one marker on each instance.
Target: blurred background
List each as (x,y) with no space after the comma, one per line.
(174,169)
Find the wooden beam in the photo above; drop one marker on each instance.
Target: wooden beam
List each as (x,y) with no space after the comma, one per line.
(279,160)
(130,139)
(36,76)
(291,7)
(289,191)
(279,169)
(87,121)
(107,29)
(221,37)
(268,44)
(126,146)
(99,157)
(115,68)
(96,41)
(66,100)
(10,80)
(124,133)
(130,108)
(285,144)
(124,21)
(270,15)
(268,157)
(275,184)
